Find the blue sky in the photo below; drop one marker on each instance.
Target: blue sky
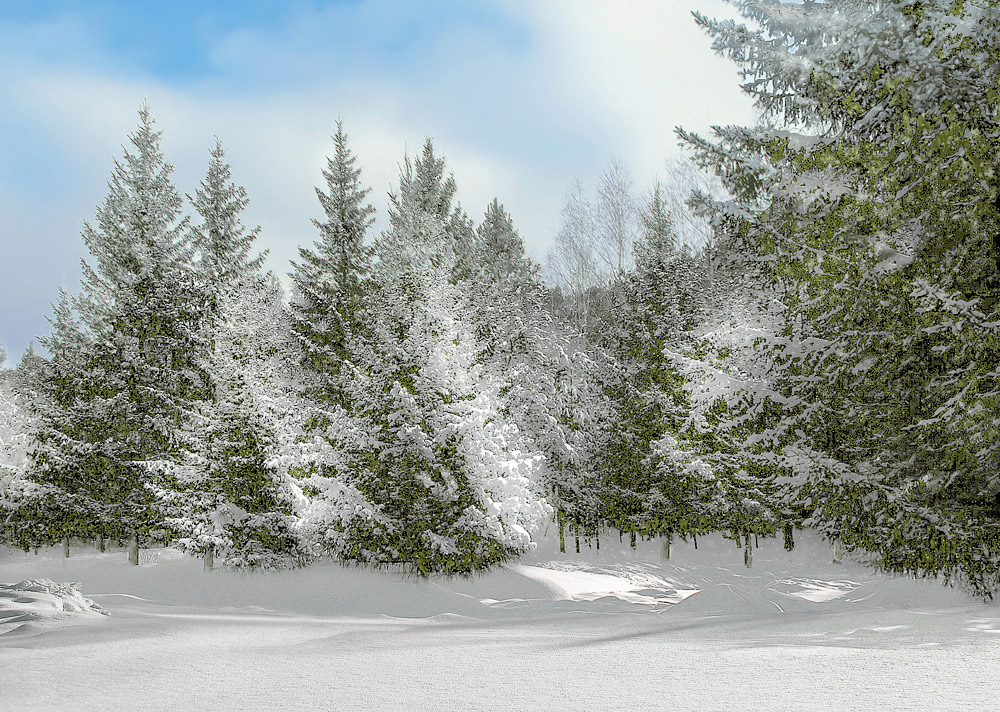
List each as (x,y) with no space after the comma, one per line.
(521,97)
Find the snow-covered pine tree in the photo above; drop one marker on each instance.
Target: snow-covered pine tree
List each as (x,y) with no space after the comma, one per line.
(500,257)
(645,393)
(221,242)
(232,502)
(875,205)
(426,230)
(17,424)
(540,366)
(668,283)
(330,278)
(434,477)
(122,373)
(601,378)
(455,484)
(324,438)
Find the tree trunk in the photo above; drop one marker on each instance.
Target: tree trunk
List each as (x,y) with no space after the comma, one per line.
(209,559)
(562,537)
(632,538)
(748,555)
(789,541)
(66,547)
(133,551)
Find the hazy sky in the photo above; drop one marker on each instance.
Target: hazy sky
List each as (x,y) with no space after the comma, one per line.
(521,97)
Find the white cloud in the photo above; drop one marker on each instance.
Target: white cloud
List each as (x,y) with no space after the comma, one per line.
(516,120)
(638,69)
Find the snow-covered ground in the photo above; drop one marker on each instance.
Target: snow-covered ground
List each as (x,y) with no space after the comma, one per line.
(608,630)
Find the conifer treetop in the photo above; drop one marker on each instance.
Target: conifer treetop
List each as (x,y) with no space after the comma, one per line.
(347,215)
(432,190)
(425,231)
(501,247)
(658,240)
(339,261)
(221,239)
(139,233)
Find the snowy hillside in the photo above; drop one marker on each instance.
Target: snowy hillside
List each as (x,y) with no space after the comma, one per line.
(614,629)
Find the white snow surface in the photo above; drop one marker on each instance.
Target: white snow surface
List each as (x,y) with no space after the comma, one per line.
(611,630)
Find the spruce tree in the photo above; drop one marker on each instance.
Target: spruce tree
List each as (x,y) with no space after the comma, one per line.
(438,479)
(541,369)
(222,244)
(500,253)
(655,479)
(427,233)
(233,502)
(330,278)
(870,199)
(17,425)
(113,396)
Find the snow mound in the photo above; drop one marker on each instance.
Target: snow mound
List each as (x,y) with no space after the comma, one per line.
(633,583)
(817,590)
(35,600)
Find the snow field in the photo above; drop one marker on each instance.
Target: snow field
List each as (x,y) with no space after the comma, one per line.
(596,631)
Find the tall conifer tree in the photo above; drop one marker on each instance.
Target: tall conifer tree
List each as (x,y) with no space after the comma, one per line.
(436,478)
(232,502)
(330,278)
(113,397)
(871,198)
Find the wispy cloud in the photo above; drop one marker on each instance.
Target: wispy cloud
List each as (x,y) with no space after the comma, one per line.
(520,97)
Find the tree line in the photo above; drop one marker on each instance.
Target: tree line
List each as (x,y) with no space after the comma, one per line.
(824,356)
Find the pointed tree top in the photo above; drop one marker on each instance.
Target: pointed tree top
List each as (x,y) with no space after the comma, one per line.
(222,241)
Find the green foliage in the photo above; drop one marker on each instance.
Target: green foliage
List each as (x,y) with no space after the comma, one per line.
(879,230)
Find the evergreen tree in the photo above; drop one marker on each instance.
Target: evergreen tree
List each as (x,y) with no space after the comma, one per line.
(545,374)
(500,250)
(453,481)
(17,425)
(658,243)
(113,396)
(431,475)
(233,502)
(140,236)
(870,199)
(325,438)
(240,502)
(330,278)
(426,232)
(661,472)
(222,244)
